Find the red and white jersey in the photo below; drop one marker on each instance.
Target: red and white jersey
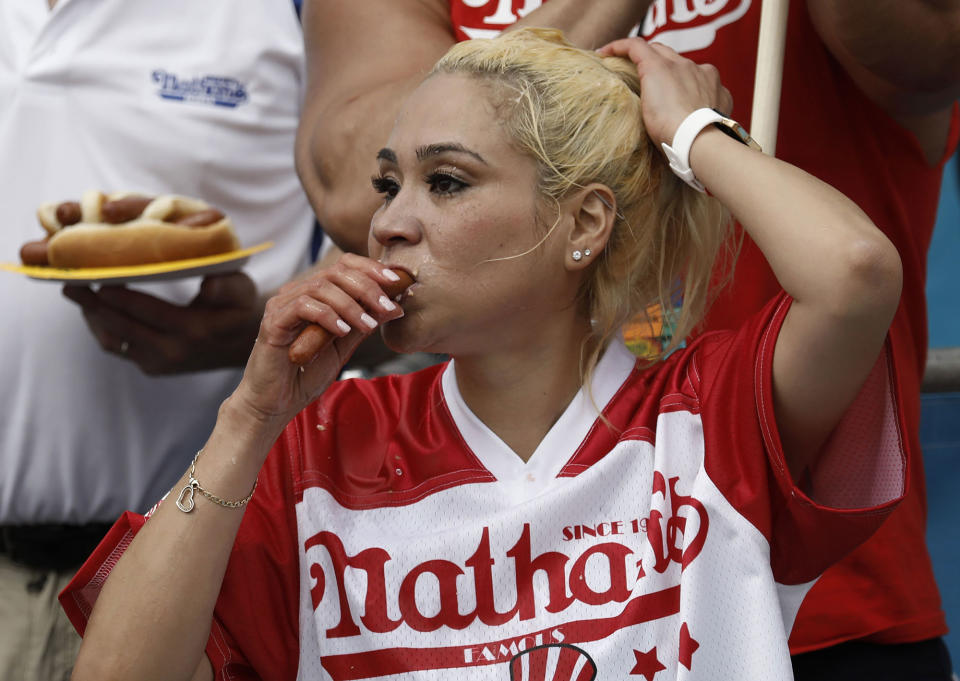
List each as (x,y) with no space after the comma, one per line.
(394,535)
(829,128)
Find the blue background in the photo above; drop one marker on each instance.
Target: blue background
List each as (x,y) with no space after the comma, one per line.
(940,419)
(943,279)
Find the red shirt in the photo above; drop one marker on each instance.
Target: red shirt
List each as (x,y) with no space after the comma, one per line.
(885,591)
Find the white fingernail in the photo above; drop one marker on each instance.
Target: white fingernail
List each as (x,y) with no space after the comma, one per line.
(387,304)
(391,275)
(343,326)
(368,320)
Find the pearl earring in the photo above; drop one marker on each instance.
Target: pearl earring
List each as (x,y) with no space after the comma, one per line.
(587,252)
(577,256)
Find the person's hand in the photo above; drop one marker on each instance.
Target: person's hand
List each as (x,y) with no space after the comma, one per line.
(348,301)
(215,330)
(672,86)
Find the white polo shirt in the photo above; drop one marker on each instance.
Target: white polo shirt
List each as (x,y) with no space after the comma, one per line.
(162,96)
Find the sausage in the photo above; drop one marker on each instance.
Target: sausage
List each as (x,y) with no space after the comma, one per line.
(124,210)
(313,338)
(34,253)
(69,213)
(201,218)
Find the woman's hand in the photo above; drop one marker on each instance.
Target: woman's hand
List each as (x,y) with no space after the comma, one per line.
(348,301)
(672,86)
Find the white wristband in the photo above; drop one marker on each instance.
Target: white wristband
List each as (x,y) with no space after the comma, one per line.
(679,152)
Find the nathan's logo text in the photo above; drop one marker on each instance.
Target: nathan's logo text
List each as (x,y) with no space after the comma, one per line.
(687,25)
(508,649)
(566,577)
(488,17)
(683,11)
(217,90)
(666,535)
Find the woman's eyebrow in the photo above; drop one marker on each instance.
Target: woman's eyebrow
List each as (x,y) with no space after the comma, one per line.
(442,147)
(387,154)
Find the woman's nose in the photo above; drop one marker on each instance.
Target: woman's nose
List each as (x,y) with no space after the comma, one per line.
(395,223)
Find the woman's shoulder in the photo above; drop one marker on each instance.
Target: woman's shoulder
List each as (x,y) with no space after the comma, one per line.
(378,441)
(353,398)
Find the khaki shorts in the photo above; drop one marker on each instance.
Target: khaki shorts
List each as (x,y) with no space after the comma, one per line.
(37,641)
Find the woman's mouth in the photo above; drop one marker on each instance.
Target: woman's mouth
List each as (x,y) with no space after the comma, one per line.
(405,274)
(408,292)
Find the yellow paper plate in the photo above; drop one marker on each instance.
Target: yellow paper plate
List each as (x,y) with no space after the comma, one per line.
(158,271)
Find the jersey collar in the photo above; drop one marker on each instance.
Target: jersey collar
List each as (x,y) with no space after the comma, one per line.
(562,440)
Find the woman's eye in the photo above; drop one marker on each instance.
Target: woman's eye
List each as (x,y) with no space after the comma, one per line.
(387,186)
(445,184)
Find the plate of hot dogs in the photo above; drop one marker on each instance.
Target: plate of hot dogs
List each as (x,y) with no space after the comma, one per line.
(127,237)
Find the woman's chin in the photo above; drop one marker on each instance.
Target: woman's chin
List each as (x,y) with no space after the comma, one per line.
(407,343)
(400,339)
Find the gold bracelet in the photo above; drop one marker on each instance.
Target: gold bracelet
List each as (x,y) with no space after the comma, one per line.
(185,501)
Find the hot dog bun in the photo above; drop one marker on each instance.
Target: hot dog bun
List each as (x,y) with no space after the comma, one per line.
(138,242)
(131,229)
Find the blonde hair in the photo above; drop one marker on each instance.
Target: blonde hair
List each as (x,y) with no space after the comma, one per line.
(578,115)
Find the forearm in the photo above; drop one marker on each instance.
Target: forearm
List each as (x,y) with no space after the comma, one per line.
(153,618)
(842,273)
(363,59)
(336,149)
(154,614)
(606,20)
(822,248)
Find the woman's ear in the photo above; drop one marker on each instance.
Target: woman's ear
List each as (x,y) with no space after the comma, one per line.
(594,211)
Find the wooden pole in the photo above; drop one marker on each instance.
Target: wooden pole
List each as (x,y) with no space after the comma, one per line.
(766,86)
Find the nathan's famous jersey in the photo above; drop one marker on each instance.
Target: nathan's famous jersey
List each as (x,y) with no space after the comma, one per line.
(393,535)
(830,129)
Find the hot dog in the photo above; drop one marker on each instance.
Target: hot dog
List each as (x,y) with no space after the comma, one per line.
(313,338)
(128,229)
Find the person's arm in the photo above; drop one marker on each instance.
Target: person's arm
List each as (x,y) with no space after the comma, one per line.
(139,631)
(153,617)
(904,55)
(843,274)
(363,58)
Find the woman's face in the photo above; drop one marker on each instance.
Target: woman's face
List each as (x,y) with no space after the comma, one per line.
(458,199)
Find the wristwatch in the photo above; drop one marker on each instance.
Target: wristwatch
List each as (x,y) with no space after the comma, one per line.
(731,128)
(678,153)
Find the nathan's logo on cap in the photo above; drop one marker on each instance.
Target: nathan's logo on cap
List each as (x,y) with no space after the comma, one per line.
(553,662)
(217,90)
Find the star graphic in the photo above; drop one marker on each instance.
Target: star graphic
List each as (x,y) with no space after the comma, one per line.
(688,646)
(647,664)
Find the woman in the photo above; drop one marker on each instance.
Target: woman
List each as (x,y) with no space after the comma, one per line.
(541,507)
